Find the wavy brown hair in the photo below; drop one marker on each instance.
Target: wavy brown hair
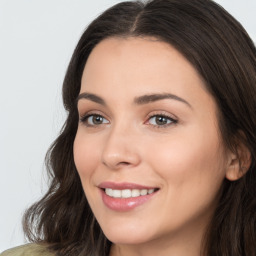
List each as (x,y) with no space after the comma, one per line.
(225,57)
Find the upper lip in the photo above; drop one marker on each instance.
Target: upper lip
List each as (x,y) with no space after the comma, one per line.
(123,185)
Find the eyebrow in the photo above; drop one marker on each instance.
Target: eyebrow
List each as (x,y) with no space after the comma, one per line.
(92,97)
(145,99)
(155,97)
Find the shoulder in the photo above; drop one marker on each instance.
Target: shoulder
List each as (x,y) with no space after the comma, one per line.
(28,250)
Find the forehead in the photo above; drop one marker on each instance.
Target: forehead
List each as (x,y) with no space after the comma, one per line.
(130,67)
(145,58)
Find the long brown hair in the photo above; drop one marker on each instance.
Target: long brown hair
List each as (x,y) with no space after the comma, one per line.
(223,54)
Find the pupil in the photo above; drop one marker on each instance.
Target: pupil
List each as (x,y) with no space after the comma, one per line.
(161,120)
(97,119)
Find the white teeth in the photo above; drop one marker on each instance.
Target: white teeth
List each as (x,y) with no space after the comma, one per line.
(127,193)
(116,193)
(135,192)
(143,192)
(109,191)
(150,191)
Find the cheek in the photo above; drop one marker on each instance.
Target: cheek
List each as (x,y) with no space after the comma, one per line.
(190,163)
(192,171)
(86,155)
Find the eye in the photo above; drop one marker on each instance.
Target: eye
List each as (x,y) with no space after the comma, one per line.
(94,120)
(161,120)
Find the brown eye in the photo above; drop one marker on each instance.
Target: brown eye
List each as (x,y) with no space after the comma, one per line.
(97,119)
(93,120)
(161,120)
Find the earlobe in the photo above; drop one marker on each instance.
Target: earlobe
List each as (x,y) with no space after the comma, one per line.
(239,163)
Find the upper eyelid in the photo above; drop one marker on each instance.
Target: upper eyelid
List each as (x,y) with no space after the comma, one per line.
(162,113)
(155,113)
(151,114)
(165,116)
(84,120)
(92,112)
(173,121)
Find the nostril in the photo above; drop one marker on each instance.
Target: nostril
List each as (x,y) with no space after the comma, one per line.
(124,163)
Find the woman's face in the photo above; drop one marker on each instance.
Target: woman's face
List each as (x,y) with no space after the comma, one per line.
(148,148)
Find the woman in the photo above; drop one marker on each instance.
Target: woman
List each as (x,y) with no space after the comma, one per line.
(157,155)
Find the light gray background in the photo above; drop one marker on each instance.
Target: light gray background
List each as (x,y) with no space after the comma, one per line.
(37,39)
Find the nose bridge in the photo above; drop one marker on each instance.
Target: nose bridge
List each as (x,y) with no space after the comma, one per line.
(120,146)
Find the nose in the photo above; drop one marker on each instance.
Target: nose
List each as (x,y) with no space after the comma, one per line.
(120,149)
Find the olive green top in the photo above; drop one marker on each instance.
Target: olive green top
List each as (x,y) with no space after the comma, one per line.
(28,250)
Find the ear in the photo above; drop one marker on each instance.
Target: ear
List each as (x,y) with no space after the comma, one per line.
(239,162)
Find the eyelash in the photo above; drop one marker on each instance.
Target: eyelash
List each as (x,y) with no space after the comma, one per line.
(169,119)
(84,120)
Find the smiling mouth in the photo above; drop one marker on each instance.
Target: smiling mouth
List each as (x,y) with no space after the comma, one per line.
(128,193)
(125,196)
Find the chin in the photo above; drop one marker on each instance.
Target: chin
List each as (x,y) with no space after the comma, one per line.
(128,235)
(128,239)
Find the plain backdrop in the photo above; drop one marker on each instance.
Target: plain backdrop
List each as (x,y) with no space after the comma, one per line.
(37,39)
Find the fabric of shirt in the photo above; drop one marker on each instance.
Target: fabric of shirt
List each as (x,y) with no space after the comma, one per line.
(28,250)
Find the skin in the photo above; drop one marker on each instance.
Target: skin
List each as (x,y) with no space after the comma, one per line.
(185,159)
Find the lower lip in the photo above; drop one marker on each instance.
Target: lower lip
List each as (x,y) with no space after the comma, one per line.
(124,204)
